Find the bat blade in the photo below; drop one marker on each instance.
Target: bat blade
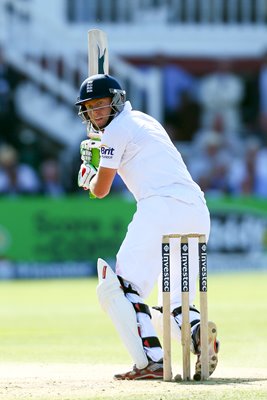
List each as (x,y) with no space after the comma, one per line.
(98,62)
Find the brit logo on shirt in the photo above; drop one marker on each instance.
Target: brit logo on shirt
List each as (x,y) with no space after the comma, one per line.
(89,86)
(106,151)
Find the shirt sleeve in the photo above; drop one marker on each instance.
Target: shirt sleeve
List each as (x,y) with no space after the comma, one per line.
(113,145)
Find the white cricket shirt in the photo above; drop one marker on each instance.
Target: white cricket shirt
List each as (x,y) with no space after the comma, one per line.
(150,165)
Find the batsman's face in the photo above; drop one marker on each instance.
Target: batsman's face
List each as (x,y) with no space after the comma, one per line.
(99,111)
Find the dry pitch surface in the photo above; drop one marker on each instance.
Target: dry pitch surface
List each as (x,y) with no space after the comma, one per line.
(84,381)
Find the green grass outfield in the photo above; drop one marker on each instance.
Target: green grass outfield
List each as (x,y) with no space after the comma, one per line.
(59,323)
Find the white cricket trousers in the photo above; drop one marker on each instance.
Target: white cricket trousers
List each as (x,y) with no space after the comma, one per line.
(139,259)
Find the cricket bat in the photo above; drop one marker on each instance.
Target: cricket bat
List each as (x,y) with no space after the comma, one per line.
(97,52)
(98,63)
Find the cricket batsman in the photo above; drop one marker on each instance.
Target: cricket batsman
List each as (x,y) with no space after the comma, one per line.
(138,148)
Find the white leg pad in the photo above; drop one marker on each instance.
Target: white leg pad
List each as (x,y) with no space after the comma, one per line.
(121,312)
(157,321)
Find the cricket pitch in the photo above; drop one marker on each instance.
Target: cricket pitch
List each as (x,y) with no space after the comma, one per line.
(85,381)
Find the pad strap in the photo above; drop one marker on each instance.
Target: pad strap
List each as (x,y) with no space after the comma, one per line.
(139,307)
(142,308)
(151,341)
(178,311)
(127,289)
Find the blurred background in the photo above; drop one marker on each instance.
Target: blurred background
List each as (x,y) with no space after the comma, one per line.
(198,66)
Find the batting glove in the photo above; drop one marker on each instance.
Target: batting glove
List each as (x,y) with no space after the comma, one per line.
(86,149)
(85,175)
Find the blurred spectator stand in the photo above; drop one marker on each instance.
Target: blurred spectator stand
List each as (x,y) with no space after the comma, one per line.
(184,120)
(209,162)
(248,174)
(16,178)
(51,178)
(8,118)
(221,94)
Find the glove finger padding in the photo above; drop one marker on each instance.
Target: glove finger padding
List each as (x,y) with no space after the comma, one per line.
(85,175)
(86,156)
(86,149)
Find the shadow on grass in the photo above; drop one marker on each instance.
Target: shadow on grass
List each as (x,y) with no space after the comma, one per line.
(222,381)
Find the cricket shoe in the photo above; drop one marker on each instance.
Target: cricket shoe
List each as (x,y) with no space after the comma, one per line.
(213,349)
(154,370)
